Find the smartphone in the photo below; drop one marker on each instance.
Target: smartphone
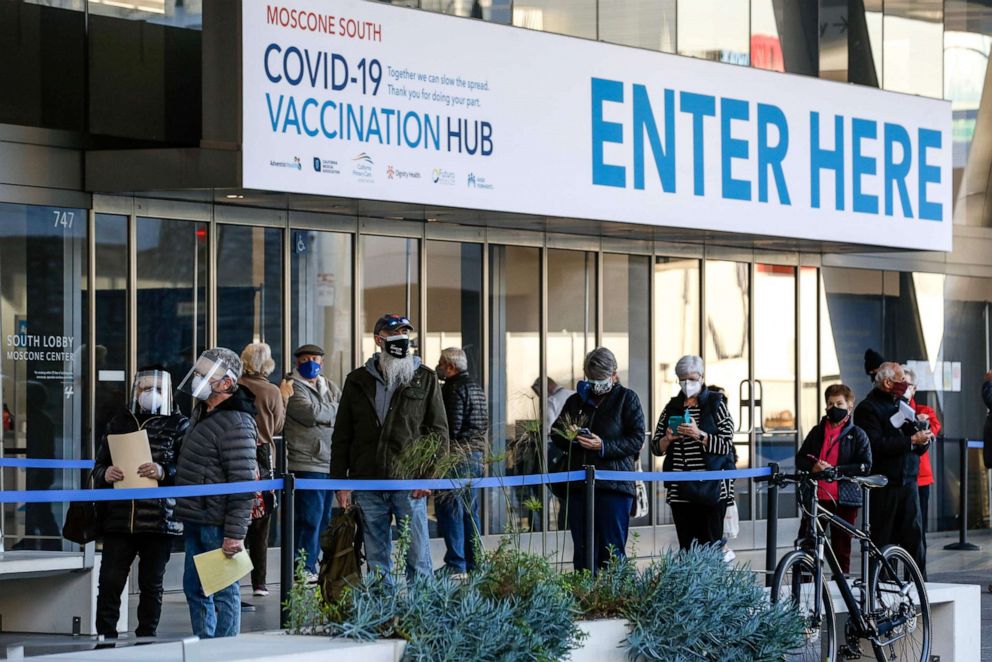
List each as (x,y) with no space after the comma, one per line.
(288,377)
(675,421)
(585,432)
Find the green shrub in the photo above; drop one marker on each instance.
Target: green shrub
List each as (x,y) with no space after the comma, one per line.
(610,594)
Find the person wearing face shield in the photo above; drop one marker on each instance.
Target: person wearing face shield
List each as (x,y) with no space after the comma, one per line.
(387,405)
(695,423)
(311,409)
(220,447)
(926,418)
(610,438)
(836,442)
(897,442)
(144,528)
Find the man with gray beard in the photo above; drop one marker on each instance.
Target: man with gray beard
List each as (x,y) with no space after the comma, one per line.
(386,405)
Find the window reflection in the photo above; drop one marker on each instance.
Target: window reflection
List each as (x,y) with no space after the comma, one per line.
(785,36)
(571,17)
(642,23)
(321,294)
(809,386)
(390,283)
(913,47)
(178,13)
(715,30)
(850,323)
(497,11)
(249,289)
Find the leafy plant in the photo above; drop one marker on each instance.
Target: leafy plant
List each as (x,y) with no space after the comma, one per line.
(611,593)
(307,612)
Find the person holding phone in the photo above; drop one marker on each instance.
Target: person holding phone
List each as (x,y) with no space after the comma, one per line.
(610,437)
(694,423)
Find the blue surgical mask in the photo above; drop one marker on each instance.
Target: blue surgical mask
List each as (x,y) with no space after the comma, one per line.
(309,369)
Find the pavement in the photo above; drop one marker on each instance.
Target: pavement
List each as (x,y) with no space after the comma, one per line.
(956,567)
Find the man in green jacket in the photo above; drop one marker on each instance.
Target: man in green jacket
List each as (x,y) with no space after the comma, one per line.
(386,405)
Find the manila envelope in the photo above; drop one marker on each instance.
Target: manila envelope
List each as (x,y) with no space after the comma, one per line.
(128,452)
(218,571)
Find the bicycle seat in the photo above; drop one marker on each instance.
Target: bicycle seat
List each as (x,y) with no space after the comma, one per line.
(869,482)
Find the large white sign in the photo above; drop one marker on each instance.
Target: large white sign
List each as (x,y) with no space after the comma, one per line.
(359,99)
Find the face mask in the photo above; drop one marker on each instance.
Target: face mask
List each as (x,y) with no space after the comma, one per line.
(396,346)
(150,401)
(309,369)
(601,386)
(202,390)
(910,392)
(836,414)
(899,389)
(691,387)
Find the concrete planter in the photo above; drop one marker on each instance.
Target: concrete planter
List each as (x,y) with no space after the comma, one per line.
(604,643)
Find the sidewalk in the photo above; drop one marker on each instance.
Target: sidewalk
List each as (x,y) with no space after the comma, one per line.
(944,566)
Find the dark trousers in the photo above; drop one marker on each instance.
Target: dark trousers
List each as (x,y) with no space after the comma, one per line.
(895,520)
(611,521)
(119,550)
(924,491)
(257,542)
(695,522)
(840,540)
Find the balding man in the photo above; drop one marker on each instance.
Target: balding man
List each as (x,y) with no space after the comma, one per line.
(896,446)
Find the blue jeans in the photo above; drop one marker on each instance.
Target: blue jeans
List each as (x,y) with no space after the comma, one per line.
(312,512)
(218,615)
(458,518)
(611,519)
(378,510)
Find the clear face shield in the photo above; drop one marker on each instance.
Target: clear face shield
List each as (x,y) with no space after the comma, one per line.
(207,373)
(151,392)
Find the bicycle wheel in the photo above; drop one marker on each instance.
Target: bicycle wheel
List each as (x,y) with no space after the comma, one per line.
(793,581)
(902,610)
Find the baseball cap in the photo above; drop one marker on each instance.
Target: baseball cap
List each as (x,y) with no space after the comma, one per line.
(391,322)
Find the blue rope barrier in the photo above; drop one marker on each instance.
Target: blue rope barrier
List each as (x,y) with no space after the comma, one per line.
(37,463)
(972,443)
(682,476)
(437,483)
(127,494)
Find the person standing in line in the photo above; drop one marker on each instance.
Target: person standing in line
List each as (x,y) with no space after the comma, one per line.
(220,447)
(144,528)
(270,417)
(468,430)
(311,407)
(927,418)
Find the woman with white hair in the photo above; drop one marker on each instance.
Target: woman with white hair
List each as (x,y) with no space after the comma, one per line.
(695,432)
(270,417)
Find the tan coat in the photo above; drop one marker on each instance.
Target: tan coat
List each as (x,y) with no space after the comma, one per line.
(269,403)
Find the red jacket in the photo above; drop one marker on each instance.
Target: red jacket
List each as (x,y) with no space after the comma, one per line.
(926,471)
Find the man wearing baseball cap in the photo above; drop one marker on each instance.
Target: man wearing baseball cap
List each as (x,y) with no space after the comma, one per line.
(386,405)
(311,407)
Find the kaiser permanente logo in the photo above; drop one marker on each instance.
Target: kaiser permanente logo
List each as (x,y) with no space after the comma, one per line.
(362,168)
(443,177)
(326,166)
(478,181)
(295,164)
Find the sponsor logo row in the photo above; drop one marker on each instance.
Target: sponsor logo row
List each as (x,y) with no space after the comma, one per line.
(362,167)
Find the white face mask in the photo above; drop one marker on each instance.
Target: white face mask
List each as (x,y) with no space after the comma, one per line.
(201,390)
(691,387)
(151,401)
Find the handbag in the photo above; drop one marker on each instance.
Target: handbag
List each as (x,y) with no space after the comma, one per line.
(707,492)
(82,520)
(731,522)
(641,506)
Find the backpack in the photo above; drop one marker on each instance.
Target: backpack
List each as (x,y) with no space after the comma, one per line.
(341,562)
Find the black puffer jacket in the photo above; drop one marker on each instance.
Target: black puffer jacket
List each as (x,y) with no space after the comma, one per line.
(892,451)
(854,449)
(467,410)
(619,421)
(165,436)
(220,448)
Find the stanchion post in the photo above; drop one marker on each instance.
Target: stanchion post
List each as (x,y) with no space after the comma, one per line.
(963,545)
(286,552)
(771,526)
(591,518)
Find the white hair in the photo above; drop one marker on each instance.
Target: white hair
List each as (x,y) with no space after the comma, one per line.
(398,372)
(257,359)
(910,375)
(886,371)
(455,357)
(689,364)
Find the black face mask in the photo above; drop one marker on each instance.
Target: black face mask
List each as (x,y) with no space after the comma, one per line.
(397,347)
(836,414)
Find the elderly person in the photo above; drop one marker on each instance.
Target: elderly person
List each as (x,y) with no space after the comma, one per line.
(926,416)
(311,408)
(468,430)
(602,425)
(388,405)
(220,447)
(897,442)
(695,424)
(270,416)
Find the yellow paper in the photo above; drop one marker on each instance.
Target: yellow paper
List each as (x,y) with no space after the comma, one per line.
(218,571)
(128,452)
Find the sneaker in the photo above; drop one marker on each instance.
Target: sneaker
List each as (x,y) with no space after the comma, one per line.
(728,555)
(260,591)
(310,578)
(459,576)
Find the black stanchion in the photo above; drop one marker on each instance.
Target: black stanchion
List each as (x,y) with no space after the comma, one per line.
(286,552)
(591,518)
(771,527)
(963,545)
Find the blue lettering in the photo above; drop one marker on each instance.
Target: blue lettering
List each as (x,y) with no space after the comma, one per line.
(323,121)
(310,101)
(697,105)
(772,157)
(862,165)
(644,122)
(274,119)
(604,90)
(373,126)
(733,148)
(298,56)
(929,174)
(826,159)
(292,117)
(268,71)
(896,173)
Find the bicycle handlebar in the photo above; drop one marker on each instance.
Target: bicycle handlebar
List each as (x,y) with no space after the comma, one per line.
(833,474)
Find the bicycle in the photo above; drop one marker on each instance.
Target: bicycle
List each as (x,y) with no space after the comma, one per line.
(893,614)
